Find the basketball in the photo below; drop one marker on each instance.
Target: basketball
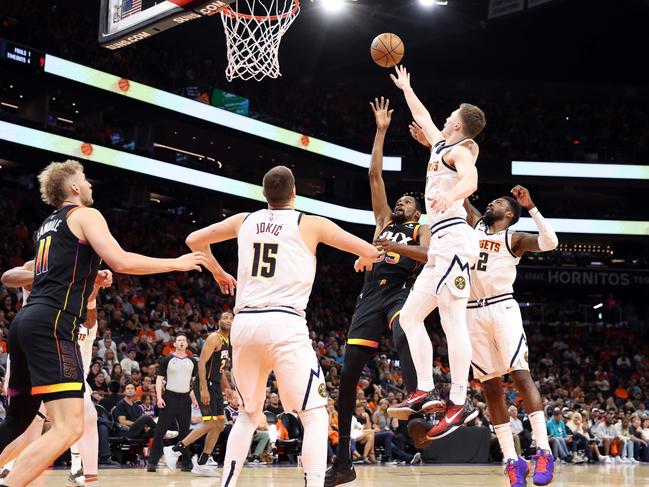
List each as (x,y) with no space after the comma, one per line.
(387,50)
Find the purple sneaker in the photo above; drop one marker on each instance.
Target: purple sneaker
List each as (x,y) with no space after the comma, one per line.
(517,470)
(544,470)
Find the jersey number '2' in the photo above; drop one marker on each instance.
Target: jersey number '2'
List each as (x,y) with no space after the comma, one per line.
(264,260)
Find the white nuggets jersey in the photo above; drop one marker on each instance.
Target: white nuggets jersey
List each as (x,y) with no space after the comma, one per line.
(276,268)
(85,347)
(440,178)
(495,271)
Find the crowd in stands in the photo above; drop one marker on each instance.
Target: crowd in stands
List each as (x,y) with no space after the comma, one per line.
(593,377)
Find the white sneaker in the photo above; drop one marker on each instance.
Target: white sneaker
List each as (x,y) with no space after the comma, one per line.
(211,462)
(205,471)
(625,461)
(416,460)
(171,457)
(170,435)
(634,461)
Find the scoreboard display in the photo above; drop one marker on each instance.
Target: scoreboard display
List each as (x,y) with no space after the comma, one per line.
(19,54)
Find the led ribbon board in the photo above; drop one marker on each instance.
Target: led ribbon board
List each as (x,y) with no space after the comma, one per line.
(147,94)
(151,167)
(579,170)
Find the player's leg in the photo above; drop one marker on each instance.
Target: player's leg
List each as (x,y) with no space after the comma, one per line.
(363,337)
(46,339)
(23,406)
(88,444)
(65,415)
(408,371)
(301,385)
(417,307)
(251,364)
(452,310)
(415,310)
(32,433)
(214,424)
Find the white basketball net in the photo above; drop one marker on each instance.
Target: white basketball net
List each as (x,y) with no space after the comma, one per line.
(253,31)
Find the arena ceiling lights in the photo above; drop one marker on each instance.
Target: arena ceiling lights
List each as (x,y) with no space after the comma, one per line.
(147,94)
(579,170)
(151,167)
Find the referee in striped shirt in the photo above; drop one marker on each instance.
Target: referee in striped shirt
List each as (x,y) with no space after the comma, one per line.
(178,370)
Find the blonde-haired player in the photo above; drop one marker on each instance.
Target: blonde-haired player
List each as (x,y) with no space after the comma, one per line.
(45,365)
(445,281)
(496,327)
(275,275)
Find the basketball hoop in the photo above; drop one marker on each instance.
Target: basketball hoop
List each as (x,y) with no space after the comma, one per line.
(253,31)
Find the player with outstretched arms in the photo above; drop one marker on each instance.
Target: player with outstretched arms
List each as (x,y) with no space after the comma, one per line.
(276,269)
(445,280)
(496,328)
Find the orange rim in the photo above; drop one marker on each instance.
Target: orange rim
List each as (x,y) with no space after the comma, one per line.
(231,13)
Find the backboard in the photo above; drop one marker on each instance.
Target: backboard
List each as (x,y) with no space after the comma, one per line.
(125,22)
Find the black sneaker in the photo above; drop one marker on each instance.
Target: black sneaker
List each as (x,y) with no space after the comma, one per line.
(418,401)
(151,468)
(339,474)
(417,430)
(108,461)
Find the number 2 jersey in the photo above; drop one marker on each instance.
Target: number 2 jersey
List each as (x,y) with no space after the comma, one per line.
(216,364)
(495,271)
(276,268)
(65,267)
(391,268)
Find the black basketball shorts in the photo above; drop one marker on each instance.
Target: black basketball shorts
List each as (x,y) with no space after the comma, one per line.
(214,410)
(376,308)
(45,358)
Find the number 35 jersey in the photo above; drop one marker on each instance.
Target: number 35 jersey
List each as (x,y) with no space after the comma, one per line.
(495,271)
(391,268)
(276,268)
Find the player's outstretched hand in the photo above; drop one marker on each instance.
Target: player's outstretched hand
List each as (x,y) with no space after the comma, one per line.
(522,195)
(226,282)
(382,113)
(402,79)
(363,264)
(417,133)
(191,262)
(439,203)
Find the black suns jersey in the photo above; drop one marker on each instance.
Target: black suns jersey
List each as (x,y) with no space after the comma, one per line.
(219,359)
(391,268)
(65,267)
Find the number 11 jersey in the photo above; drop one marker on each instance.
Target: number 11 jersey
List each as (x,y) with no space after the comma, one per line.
(276,268)
(495,271)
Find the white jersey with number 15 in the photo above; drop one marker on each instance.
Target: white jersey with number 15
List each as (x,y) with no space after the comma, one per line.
(276,268)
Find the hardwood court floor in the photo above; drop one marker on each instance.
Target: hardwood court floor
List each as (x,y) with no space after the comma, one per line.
(426,475)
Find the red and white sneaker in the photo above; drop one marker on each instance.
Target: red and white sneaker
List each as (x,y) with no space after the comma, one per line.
(428,402)
(454,417)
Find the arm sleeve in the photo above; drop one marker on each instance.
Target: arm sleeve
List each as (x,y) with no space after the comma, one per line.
(548,240)
(163,366)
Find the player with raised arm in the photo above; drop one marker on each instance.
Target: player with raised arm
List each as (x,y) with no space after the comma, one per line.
(45,364)
(404,243)
(276,269)
(496,327)
(445,281)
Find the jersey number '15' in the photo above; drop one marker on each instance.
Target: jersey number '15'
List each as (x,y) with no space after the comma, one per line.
(264,260)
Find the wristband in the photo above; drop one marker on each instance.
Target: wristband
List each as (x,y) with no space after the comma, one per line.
(92,304)
(533,211)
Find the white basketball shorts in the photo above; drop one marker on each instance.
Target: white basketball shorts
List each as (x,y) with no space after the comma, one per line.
(275,339)
(454,249)
(498,339)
